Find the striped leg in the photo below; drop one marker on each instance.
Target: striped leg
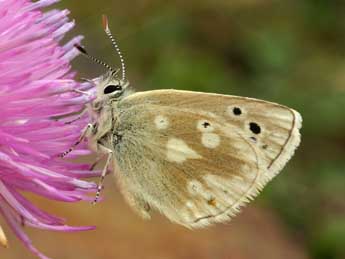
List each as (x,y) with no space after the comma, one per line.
(109,152)
(85,131)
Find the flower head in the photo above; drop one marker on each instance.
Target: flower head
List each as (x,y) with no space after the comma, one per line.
(36,88)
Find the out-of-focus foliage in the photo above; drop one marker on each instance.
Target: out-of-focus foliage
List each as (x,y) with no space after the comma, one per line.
(291,52)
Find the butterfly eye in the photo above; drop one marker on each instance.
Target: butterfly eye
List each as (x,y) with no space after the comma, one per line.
(112,88)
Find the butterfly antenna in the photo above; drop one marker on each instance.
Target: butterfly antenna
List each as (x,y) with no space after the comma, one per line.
(92,58)
(114,43)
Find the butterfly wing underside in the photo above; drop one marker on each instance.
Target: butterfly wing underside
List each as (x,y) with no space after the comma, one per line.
(198,157)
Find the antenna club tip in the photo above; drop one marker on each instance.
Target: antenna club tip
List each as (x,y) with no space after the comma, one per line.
(105,22)
(80,48)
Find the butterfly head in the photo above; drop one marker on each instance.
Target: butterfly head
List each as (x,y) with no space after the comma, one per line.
(110,86)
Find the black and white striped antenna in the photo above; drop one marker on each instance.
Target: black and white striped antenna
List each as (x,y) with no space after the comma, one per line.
(114,43)
(94,59)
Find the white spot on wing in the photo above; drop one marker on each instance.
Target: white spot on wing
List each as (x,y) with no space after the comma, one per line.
(161,122)
(190,204)
(210,140)
(194,187)
(178,151)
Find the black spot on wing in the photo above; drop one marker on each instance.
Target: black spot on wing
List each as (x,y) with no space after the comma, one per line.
(237,111)
(206,124)
(254,127)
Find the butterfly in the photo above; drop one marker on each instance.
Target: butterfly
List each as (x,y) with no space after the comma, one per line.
(194,157)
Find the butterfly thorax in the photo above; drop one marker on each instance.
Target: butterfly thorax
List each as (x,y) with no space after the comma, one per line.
(110,91)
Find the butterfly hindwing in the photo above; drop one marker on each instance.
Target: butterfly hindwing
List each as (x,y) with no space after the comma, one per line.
(198,157)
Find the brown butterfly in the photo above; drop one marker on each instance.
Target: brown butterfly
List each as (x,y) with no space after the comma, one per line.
(195,157)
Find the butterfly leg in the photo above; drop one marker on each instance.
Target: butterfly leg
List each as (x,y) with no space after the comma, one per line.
(85,132)
(81,92)
(94,164)
(109,152)
(77,118)
(87,80)
(86,109)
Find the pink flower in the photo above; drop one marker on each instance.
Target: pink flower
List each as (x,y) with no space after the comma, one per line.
(36,87)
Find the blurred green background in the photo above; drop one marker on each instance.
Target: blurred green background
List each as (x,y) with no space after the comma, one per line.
(290,52)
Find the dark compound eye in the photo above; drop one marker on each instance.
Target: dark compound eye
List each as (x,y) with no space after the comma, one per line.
(112,88)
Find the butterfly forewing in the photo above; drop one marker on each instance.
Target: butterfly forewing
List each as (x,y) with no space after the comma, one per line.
(198,157)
